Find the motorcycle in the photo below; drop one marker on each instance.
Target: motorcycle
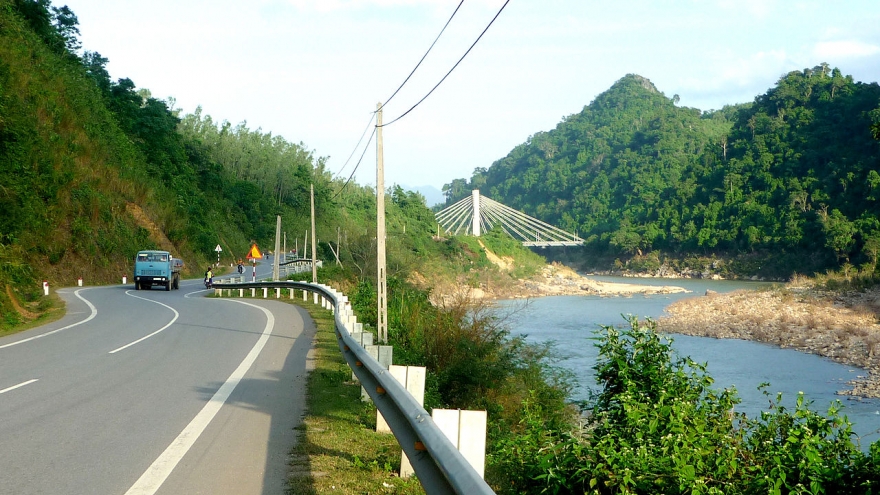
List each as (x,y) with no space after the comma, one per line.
(208,283)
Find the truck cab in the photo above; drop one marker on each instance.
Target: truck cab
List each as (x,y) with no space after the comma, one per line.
(153,267)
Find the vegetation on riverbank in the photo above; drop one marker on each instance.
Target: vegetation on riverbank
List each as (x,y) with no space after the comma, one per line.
(657,426)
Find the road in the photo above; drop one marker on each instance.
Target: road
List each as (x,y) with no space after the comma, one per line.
(153,392)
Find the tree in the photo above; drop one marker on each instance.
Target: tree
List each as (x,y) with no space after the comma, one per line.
(839,233)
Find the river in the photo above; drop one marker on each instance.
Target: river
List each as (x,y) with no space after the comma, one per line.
(569,322)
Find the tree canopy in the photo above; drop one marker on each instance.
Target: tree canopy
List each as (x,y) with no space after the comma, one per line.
(795,171)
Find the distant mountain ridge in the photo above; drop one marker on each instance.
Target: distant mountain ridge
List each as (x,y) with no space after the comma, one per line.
(794,173)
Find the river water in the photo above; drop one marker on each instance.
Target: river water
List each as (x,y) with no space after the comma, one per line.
(570,322)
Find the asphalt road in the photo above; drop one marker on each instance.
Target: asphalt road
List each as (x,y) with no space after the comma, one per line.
(143,392)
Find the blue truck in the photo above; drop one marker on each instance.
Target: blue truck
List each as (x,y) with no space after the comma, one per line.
(156,268)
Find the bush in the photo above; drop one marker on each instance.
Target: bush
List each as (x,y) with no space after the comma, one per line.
(656,426)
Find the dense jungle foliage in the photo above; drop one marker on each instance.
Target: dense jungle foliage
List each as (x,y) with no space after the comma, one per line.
(793,175)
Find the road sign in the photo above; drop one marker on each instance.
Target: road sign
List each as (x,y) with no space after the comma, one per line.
(218,249)
(254,253)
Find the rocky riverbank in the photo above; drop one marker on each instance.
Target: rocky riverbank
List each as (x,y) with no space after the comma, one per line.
(842,327)
(559,280)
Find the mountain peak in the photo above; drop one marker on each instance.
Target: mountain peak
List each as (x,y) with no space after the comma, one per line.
(635,79)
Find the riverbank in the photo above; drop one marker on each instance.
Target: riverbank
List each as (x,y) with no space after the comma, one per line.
(553,280)
(844,327)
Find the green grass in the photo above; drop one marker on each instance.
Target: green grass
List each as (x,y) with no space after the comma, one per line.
(338,450)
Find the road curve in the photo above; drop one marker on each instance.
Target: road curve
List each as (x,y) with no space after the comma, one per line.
(153,392)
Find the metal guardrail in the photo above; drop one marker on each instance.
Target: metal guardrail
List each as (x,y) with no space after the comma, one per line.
(440,467)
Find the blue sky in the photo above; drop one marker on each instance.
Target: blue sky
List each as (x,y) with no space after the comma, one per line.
(312,71)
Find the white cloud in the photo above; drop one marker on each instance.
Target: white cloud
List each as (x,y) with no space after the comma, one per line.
(835,50)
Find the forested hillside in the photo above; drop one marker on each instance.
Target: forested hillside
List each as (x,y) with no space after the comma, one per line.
(791,178)
(92,170)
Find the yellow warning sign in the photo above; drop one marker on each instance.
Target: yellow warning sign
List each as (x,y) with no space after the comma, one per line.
(254,253)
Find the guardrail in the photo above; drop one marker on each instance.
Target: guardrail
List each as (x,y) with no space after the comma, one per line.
(439,465)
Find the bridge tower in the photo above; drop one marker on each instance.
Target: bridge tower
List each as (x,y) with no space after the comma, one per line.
(475,199)
(482,213)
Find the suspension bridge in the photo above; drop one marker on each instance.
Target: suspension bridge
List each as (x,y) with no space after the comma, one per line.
(478,213)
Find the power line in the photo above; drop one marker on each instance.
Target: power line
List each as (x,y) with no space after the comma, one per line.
(453,67)
(425,55)
(372,116)
(357,164)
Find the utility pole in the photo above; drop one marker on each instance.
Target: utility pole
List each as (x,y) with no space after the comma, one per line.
(277,247)
(382,313)
(314,261)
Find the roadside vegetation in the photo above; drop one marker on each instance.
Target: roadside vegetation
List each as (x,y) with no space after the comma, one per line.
(94,170)
(655,426)
(338,449)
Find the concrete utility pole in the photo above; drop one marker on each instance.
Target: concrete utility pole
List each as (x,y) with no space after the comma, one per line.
(314,260)
(382,313)
(277,247)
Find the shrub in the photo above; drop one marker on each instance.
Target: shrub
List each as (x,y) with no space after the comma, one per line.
(657,426)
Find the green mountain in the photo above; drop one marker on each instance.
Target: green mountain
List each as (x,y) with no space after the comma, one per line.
(791,178)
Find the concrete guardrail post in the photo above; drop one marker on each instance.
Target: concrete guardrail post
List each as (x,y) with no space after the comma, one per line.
(413,379)
(382,354)
(467,431)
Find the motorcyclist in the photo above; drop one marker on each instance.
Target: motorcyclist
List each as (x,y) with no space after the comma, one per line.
(209,278)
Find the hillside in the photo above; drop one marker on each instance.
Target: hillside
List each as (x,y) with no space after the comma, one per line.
(789,181)
(93,170)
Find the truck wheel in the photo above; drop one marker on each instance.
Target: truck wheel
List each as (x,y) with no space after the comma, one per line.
(137,285)
(168,285)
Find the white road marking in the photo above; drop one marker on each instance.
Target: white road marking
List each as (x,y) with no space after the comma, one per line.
(158,472)
(176,316)
(22,384)
(35,337)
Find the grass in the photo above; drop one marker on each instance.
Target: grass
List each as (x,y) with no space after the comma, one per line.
(338,450)
(52,308)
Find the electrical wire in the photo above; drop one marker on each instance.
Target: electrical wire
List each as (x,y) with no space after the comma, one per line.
(356,165)
(425,55)
(450,70)
(372,116)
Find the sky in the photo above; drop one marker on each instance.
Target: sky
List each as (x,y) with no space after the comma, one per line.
(314,71)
